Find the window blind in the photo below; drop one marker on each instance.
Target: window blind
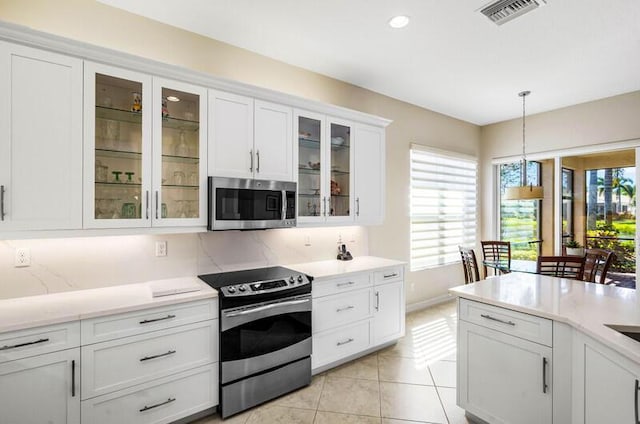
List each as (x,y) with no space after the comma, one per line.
(443,207)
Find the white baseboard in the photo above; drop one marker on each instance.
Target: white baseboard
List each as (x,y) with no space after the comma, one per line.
(429,302)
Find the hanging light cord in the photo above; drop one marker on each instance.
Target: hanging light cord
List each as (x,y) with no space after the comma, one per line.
(523,174)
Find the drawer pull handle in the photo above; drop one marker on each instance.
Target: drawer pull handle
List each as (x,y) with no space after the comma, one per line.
(349,340)
(6,347)
(544,375)
(147,321)
(346,308)
(636,400)
(348,283)
(146,408)
(498,319)
(395,274)
(146,358)
(377,301)
(73,378)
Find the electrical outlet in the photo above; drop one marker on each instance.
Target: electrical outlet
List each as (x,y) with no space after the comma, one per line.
(161,248)
(23,257)
(307,240)
(339,238)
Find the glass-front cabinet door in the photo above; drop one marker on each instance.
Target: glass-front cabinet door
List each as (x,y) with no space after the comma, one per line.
(117,155)
(325,161)
(179,171)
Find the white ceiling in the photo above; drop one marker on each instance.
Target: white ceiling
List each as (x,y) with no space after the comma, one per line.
(450,59)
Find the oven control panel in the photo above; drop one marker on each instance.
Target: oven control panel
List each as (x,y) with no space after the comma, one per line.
(260,287)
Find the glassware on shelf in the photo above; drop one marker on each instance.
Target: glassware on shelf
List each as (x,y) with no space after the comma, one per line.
(102,171)
(193,179)
(178,178)
(163,210)
(116,176)
(128,210)
(136,102)
(114,209)
(129,175)
(180,212)
(111,132)
(182,149)
(165,108)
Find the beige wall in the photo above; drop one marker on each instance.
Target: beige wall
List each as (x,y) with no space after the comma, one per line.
(603,121)
(95,23)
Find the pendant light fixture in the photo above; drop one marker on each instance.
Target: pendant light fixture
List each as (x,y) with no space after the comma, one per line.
(524,191)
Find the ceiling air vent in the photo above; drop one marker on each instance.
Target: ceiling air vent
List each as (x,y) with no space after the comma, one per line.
(502,11)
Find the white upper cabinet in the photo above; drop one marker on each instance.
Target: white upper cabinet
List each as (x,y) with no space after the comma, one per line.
(117,147)
(179,154)
(40,140)
(145,150)
(249,138)
(230,135)
(369,174)
(273,142)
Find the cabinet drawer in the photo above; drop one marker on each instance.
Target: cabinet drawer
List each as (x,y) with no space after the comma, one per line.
(341,309)
(161,401)
(332,345)
(39,340)
(340,285)
(114,365)
(388,274)
(528,327)
(139,322)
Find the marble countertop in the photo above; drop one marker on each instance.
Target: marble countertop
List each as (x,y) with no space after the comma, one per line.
(36,311)
(334,267)
(585,306)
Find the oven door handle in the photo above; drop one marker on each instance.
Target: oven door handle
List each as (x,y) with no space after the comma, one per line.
(265,307)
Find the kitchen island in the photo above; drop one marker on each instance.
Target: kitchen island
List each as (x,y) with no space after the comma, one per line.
(539,349)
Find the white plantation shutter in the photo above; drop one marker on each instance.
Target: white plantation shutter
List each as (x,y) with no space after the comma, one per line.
(443,206)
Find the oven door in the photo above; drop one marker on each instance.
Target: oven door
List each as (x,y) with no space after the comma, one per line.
(262,336)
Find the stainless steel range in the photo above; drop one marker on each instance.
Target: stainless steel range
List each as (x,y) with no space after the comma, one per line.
(265,335)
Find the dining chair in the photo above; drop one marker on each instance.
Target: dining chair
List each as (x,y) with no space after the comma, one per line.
(469,264)
(498,252)
(596,265)
(561,266)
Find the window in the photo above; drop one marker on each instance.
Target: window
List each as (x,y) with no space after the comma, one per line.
(443,206)
(520,219)
(567,205)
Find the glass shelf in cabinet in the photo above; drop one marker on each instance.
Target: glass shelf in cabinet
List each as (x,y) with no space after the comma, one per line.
(335,146)
(190,187)
(309,171)
(180,124)
(309,142)
(181,159)
(339,172)
(121,115)
(118,154)
(118,185)
(308,195)
(340,195)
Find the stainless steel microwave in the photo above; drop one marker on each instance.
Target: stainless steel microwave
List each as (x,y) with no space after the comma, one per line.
(247,204)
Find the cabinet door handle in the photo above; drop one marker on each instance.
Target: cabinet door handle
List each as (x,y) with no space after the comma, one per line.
(377,301)
(73,378)
(161,355)
(349,340)
(146,195)
(348,283)
(324,206)
(395,274)
(636,400)
(147,321)
(357,206)
(7,347)
(487,316)
(2,203)
(251,156)
(157,196)
(258,161)
(346,308)
(544,375)
(146,408)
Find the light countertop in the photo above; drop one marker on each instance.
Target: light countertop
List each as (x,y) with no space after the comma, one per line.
(584,306)
(333,268)
(35,311)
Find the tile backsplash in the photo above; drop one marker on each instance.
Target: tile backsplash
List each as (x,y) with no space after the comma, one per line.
(89,262)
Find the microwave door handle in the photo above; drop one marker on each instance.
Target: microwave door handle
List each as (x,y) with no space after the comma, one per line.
(284,205)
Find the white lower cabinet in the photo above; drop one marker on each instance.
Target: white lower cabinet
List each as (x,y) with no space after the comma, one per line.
(503,378)
(606,389)
(355,313)
(160,401)
(41,389)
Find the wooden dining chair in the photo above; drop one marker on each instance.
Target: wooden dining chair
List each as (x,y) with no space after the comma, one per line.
(498,252)
(469,264)
(561,266)
(596,265)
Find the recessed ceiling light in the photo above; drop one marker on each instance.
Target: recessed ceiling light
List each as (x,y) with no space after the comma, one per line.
(173,98)
(399,21)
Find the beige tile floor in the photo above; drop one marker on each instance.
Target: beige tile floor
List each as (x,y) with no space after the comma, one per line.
(411,382)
